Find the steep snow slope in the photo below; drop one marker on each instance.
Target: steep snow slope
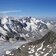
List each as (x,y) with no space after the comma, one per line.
(33,27)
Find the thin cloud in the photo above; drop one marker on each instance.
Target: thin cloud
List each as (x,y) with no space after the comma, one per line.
(10,11)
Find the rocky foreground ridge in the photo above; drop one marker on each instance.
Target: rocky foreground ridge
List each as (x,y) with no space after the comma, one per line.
(42,47)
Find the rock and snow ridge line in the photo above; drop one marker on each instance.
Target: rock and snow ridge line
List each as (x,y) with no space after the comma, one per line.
(22,27)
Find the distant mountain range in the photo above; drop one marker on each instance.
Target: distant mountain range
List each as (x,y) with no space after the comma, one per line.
(27,28)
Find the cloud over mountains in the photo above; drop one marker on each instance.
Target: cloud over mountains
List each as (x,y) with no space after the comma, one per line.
(10,11)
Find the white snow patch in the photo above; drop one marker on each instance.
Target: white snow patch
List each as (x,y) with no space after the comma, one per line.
(40,30)
(4,20)
(6,27)
(27,35)
(40,46)
(47,45)
(41,52)
(16,47)
(8,52)
(22,35)
(29,48)
(29,52)
(11,54)
(3,31)
(46,54)
(36,54)
(43,49)
(23,46)
(50,50)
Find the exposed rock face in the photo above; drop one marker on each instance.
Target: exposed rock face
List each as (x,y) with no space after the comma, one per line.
(43,47)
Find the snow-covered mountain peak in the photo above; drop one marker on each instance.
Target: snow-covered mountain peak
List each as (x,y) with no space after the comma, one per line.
(4,20)
(28,25)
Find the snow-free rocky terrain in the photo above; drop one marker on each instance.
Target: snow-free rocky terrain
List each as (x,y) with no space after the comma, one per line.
(45,46)
(15,32)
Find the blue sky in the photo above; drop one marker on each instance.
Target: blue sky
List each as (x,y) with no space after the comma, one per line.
(37,8)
